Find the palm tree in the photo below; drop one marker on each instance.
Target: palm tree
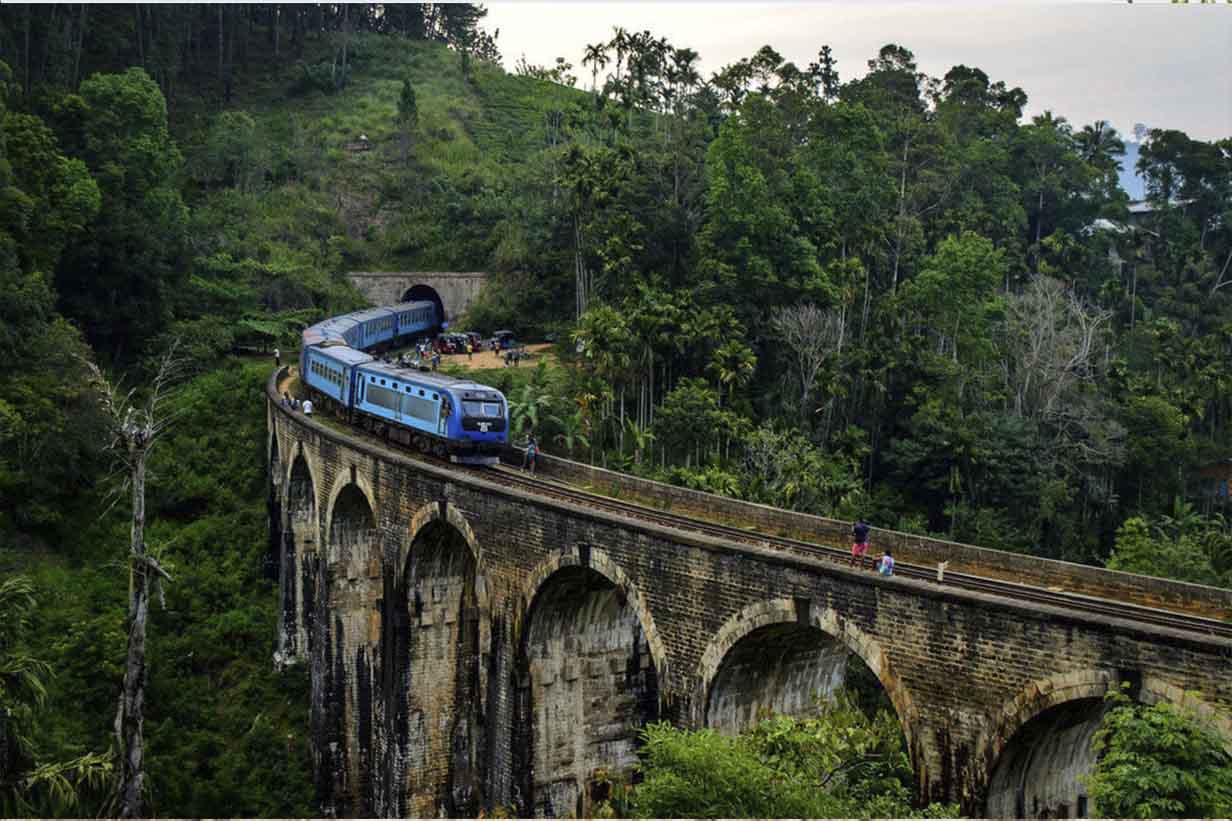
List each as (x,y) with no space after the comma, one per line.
(531,402)
(29,787)
(733,365)
(1100,145)
(620,44)
(574,429)
(596,57)
(642,438)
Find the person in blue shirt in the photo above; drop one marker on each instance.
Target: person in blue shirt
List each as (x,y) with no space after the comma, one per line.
(886,566)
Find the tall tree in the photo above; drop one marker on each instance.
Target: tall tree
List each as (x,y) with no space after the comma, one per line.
(120,280)
(135,429)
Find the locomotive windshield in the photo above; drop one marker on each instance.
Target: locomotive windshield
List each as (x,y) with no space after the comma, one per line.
(490,410)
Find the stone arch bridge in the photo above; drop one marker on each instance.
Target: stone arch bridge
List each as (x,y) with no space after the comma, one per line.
(473,645)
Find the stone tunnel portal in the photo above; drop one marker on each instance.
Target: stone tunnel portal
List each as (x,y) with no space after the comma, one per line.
(417,293)
(590,684)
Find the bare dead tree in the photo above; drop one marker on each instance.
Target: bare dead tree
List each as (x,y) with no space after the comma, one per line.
(1055,348)
(813,335)
(134,429)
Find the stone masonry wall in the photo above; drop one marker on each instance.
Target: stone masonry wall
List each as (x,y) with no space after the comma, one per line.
(1210,601)
(964,671)
(457,290)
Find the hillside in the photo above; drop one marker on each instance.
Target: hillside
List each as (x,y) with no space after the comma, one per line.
(429,203)
(887,297)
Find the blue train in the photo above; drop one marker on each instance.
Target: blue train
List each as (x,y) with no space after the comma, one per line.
(454,418)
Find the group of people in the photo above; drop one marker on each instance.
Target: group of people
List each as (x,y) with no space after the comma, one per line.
(421,352)
(289,401)
(859,550)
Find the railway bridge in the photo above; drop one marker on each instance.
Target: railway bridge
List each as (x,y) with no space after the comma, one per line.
(479,640)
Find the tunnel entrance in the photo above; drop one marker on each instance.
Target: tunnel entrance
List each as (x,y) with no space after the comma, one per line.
(1039,772)
(588,686)
(430,663)
(417,293)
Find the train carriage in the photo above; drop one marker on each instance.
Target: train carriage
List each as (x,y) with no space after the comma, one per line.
(376,327)
(413,318)
(330,371)
(450,417)
(432,412)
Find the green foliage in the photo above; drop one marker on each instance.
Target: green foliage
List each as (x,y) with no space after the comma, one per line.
(408,109)
(30,784)
(785,469)
(1187,547)
(226,734)
(839,763)
(135,246)
(1159,762)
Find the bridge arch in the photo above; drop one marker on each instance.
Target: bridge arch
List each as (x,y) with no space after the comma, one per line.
(299,452)
(603,564)
(781,612)
(588,680)
(426,292)
(1039,745)
(452,516)
(1046,693)
(432,642)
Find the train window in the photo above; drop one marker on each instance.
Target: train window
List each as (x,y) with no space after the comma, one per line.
(488,409)
(421,393)
(408,389)
(382,381)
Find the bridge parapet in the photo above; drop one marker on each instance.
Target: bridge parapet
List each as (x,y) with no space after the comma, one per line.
(1149,591)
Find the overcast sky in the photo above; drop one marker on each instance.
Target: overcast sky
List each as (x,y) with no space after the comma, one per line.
(1169,66)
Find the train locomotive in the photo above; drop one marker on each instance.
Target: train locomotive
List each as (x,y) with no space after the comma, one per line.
(452,418)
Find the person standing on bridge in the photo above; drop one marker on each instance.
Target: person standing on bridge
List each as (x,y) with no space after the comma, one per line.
(277,358)
(859,542)
(307,407)
(532,450)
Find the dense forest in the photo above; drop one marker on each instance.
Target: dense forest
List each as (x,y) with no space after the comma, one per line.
(854,293)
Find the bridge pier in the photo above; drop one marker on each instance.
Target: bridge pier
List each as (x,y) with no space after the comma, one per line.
(473,646)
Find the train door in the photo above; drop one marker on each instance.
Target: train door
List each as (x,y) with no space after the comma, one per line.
(442,424)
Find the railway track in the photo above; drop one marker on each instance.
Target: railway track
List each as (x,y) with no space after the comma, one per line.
(1091,605)
(796,547)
